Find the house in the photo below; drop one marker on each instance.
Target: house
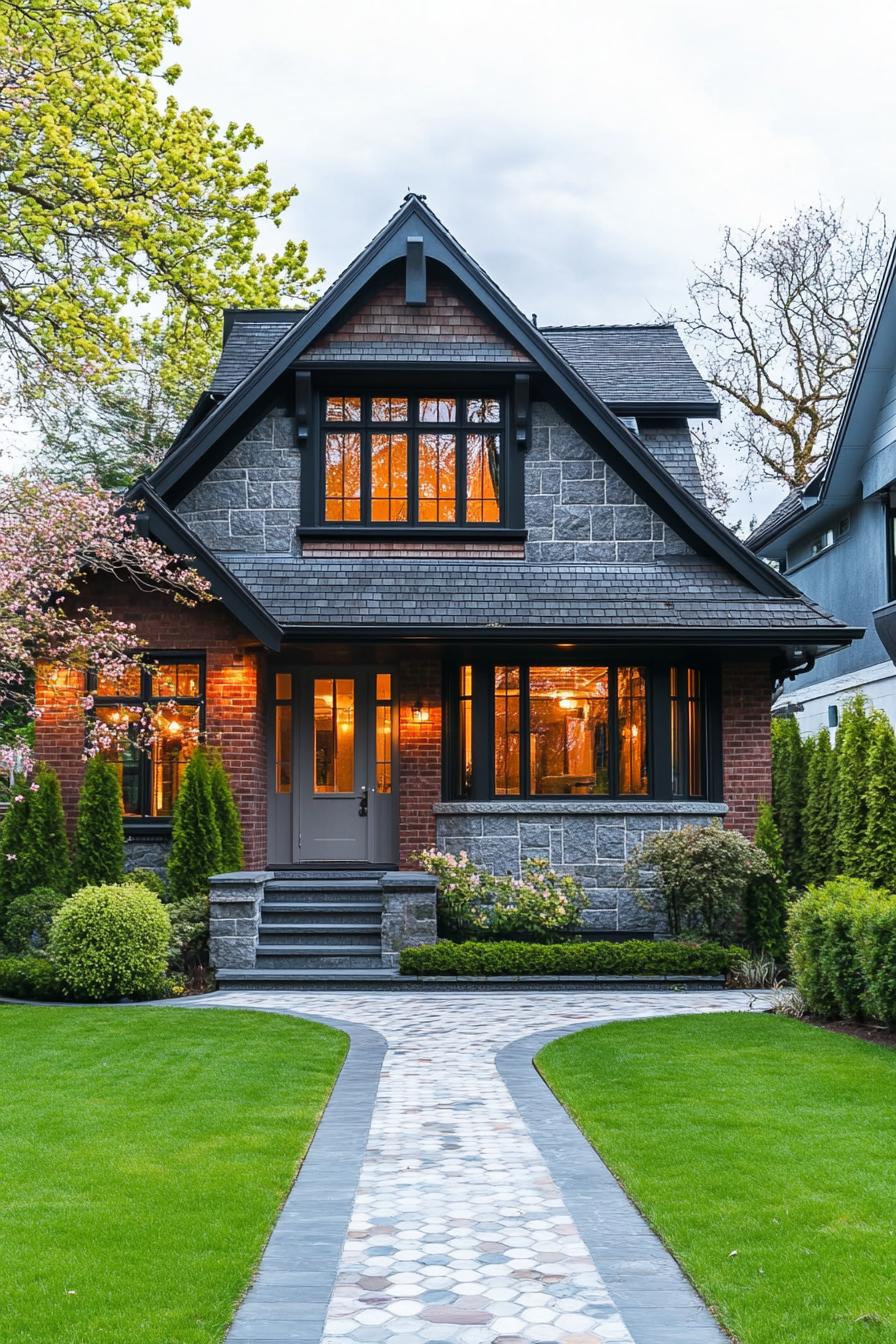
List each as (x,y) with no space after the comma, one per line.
(836,537)
(469,596)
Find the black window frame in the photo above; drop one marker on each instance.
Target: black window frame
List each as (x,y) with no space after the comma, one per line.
(144,821)
(462,386)
(659,734)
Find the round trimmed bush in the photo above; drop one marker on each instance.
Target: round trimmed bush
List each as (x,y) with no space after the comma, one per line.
(29,918)
(111,942)
(148,878)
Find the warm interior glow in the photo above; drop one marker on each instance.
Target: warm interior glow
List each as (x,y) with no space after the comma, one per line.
(568,727)
(334,736)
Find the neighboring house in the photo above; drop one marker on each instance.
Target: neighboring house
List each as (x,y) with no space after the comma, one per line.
(470,595)
(836,537)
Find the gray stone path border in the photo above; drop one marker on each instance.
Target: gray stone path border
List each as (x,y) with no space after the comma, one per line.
(655,1298)
(285,1305)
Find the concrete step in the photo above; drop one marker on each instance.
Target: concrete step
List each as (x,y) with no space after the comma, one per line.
(296,913)
(366,935)
(306,956)
(303,890)
(279,978)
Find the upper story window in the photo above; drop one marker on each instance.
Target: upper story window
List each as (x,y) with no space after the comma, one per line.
(419,460)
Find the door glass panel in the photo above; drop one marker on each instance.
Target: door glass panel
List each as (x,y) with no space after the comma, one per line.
(568,727)
(507,730)
(389,478)
(383,732)
(283,748)
(343,478)
(437,476)
(632,711)
(483,479)
(334,735)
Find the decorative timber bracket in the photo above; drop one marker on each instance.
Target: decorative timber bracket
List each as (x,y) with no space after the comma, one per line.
(415,272)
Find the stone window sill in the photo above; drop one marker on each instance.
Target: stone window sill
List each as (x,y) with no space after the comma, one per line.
(582,807)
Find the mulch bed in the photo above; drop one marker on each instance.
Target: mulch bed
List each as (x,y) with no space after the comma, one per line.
(863,1032)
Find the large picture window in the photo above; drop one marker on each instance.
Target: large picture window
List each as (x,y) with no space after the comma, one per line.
(169,693)
(417,460)
(605,730)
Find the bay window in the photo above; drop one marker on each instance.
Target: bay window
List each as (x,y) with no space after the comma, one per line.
(602,730)
(155,715)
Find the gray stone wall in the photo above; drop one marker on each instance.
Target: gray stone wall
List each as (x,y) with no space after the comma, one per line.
(578,510)
(147,852)
(250,501)
(588,838)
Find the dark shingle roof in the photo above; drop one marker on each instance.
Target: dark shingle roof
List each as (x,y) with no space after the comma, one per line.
(780,518)
(628,366)
(689,593)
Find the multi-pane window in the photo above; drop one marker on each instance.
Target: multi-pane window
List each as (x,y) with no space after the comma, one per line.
(595,729)
(154,714)
(418,460)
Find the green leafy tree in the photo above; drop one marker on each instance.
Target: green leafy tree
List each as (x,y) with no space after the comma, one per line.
(195,834)
(852,745)
(43,859)
(99,831)
(820,812)
(879,856)
(228,817)
(127,222)
(789,792)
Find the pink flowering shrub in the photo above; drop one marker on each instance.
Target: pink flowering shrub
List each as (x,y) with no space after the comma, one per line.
(540,903)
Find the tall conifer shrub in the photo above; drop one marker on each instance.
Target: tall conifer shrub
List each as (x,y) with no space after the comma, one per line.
(789,792)
(879,856)
(852,745)
(99,832)
(12,831)
(195,834)
(820,813)
(43,859)
(228,817)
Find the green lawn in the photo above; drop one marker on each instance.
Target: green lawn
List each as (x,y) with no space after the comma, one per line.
(144,1154)
(756,1135)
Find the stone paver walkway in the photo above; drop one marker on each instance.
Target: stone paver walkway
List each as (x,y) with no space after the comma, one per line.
(459,1233)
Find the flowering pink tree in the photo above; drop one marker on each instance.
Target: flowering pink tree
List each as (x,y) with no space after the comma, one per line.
(53,539)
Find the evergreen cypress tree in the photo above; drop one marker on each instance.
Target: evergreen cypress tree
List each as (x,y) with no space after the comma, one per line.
(12,831)
(43,853)
(228,817)
(195,836)
(820,812)
(789,792)
(879,859)
(99,832)
(853,739)
(768,839)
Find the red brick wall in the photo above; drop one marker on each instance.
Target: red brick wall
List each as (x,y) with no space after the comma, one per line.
(233,708)
(444,319)
(746,742)
(420,757)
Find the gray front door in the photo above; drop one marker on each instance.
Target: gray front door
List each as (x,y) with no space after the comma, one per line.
(342,748)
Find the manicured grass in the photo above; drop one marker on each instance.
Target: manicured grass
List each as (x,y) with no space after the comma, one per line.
(756,1135)
(144,1155)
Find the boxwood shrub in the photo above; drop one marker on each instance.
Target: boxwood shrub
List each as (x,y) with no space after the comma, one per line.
(843,950)
(29,977)
(111,942)
(634,957)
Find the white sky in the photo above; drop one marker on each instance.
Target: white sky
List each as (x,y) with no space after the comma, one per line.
(587,154)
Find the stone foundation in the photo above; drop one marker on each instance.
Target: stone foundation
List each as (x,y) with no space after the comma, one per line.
(587,838)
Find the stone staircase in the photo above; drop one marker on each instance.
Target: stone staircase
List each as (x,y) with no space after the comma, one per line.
(317,931)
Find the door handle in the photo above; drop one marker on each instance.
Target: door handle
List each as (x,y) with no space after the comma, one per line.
(362,805)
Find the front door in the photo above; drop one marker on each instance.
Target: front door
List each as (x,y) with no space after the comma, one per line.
(343,748)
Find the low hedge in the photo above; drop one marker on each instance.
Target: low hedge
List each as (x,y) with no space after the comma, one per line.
(29,977)
(628,958)
(843,950)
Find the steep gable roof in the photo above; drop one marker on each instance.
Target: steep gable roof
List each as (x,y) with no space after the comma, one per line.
(624,451)
(636,369)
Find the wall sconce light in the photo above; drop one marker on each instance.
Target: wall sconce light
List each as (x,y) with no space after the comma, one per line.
(419,712)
